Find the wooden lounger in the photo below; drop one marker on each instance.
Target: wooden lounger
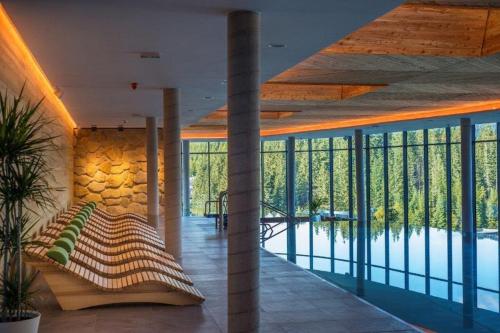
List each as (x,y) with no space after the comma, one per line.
(104,239)
(114,260)
(111,262)
(125,228)
(116,226)
(77,287)
(112,218)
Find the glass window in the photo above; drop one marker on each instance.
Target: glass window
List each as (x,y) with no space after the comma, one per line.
(274,182)
(198,179)
(395,214)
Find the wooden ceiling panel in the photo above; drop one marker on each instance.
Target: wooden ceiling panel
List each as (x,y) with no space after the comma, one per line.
(264,114)
(492,35)
(464,3)
(291,92)
(417,61)
(421,30)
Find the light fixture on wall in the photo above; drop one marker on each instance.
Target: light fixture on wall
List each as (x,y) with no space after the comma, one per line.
(120,128)
(93,128)
(58,92)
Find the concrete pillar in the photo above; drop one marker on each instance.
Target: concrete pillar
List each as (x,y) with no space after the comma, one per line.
(361,213)
(468,232)
(172,166)
(290,195)
(152,172)
(243,170)
(185,178)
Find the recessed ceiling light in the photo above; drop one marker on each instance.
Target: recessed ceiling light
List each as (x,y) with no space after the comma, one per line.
(276,45)
(149,55)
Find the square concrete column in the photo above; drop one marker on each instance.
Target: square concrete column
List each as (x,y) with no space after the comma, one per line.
(172,166)
(152,171)
(243,171)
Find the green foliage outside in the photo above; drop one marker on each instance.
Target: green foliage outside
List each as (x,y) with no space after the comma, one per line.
(214,164)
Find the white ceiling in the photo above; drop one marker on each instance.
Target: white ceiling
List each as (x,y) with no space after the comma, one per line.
(89,49)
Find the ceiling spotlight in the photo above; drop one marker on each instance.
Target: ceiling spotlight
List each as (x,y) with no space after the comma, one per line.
(150,55)
(276,46)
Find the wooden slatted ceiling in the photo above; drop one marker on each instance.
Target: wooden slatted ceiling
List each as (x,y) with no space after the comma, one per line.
(413,60)
(492,36)
(292,91)
(421,30)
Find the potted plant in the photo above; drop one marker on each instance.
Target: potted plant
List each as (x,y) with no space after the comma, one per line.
(23,186)
(314,208)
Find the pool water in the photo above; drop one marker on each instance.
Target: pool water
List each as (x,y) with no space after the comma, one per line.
(328,247)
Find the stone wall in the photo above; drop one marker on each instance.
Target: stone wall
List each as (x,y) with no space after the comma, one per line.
(18,70)
(110,168)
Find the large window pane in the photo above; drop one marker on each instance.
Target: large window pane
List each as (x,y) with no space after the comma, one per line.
(416,207)
(198,178)
(274,186)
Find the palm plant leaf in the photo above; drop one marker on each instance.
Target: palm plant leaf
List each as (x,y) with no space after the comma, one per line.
(23,184)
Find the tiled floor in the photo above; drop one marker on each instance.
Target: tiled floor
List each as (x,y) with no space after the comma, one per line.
(292,299)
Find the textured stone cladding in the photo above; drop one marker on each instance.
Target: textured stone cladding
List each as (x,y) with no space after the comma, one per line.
(110,169)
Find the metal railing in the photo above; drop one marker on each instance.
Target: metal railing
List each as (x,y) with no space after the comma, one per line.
(268,224)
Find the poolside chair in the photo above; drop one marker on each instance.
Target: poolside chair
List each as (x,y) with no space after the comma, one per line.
(86,262)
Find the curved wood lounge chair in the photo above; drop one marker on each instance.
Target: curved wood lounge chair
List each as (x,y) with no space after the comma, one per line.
(113,221)
(125,228)
(77,287)
(110,267)
(112,218)
(136,259)
(106,239)
(122,225)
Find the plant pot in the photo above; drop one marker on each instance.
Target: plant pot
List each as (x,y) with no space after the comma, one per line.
(29,325)
(316,218)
